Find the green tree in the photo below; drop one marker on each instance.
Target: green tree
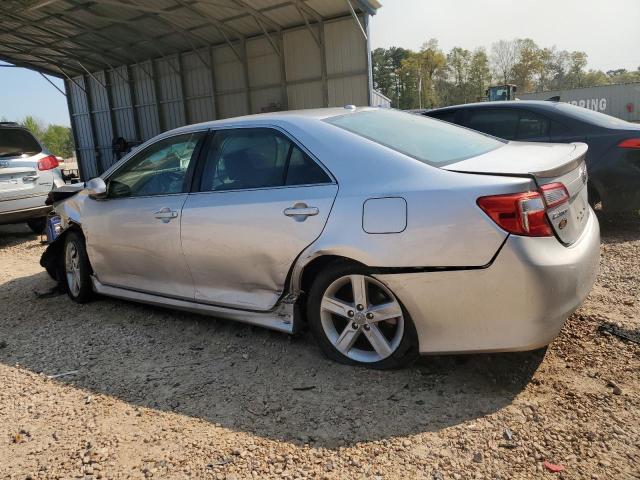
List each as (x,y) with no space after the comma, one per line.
(479,73)
(59,140)
(419,70)
(34,125)
(386,77)
(527,65)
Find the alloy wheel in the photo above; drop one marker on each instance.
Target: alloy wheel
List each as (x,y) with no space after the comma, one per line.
(72,268)
(362,318)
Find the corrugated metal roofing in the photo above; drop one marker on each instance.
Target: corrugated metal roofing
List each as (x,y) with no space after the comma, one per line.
(71,37)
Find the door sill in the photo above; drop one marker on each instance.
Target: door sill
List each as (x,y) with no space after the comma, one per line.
(279,319)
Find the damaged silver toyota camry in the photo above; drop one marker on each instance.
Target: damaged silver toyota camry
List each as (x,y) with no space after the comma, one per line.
(390,235)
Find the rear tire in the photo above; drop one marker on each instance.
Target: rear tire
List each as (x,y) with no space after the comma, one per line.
(370,329)
(37,225)
(76,269)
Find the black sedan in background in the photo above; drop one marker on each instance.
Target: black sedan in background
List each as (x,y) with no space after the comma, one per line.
(613,159)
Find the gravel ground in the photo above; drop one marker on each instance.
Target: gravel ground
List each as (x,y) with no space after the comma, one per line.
(163,394)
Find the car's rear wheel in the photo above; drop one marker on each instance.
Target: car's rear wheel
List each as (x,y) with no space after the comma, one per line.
(77,270)
(37,224)
(357,320)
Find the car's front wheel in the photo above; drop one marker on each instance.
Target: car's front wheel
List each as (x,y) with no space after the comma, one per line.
(357,320)
(77,270)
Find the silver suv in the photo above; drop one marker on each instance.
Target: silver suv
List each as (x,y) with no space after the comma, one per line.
(28,172)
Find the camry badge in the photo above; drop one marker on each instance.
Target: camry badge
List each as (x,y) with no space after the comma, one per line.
(4,163)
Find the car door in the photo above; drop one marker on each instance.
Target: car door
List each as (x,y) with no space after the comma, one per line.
(261,199)
(133,235)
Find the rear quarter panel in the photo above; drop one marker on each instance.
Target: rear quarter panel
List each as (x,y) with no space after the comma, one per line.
(444,227)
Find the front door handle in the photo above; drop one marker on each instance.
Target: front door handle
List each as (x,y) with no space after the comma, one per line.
(165,214)
(300,211)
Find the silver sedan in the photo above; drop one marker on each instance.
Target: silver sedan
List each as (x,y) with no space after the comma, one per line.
(390,235)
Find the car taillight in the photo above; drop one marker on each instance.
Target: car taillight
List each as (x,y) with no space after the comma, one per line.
(525,213)
(554,194)
(630,143)
(47,163)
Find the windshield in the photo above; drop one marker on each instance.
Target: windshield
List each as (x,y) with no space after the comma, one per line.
(431,141)
(591,116)
(16,141)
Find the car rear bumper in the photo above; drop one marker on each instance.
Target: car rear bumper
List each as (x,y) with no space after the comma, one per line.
(21,209)
(519,302)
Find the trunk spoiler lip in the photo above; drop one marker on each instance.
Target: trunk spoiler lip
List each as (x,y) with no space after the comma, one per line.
(578,154)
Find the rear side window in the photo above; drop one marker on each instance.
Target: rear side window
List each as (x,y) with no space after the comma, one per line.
(17,141)
(250,158)
(303,170)
(499,123)
(510,124)
(531,125)
(423,138)
(445,116)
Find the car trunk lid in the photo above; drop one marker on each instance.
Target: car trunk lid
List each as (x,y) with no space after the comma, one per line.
(546,164)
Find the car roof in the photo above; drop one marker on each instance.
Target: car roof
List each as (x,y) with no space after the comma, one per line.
(543,104)
(278,118)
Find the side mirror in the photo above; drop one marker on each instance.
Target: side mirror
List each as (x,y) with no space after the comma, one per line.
(96,188)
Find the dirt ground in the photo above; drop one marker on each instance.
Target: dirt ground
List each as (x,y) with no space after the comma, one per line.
(117,390)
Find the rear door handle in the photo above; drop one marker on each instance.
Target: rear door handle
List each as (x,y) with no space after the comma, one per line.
(300,211)
(30,178)
(165,214)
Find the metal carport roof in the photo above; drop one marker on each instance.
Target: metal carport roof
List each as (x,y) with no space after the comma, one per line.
(71,37)
(135,68)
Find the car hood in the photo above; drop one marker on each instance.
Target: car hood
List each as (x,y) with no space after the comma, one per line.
(541,160)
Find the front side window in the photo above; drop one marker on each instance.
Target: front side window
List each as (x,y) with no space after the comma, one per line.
(250,158)
(430,141)
(160,169)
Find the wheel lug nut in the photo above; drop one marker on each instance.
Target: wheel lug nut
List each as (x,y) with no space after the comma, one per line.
(360,307)
(350,313)
(370,316)
(367,328)
(354,325)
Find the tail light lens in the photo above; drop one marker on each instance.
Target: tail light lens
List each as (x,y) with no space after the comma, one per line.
(630,143)
(47,163)
(525,213)
(554,194)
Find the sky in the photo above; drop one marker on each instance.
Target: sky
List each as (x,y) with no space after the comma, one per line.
(608,31)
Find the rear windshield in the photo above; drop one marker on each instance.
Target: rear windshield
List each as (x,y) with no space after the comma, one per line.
(591,116)
(16,141)
(426,139)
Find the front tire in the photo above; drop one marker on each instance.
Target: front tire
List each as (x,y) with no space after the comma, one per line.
(77,270)
(357,320)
